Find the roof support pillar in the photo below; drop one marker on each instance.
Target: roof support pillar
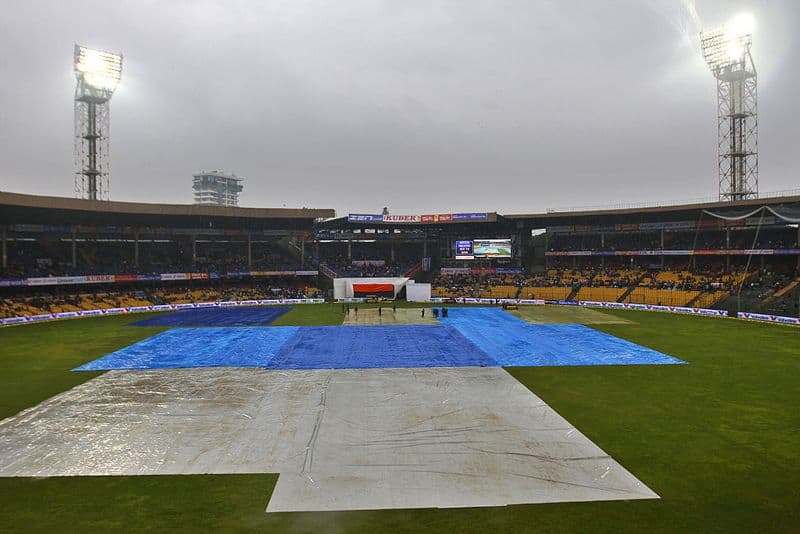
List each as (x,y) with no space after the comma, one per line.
(249,251)
(4,246)
(74,251)
(136,248)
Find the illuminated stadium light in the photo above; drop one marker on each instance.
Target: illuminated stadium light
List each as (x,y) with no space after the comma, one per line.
(97,75)
(726,50)
(98,69)
(728,45)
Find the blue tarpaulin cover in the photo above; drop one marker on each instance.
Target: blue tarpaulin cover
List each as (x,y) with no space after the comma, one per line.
(233,316)
(468,337)
(199,347)
(336,347)
(513,342)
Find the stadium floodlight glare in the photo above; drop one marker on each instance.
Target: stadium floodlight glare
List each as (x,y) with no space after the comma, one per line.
(98,69)
(97,74)
(728,45)
(726,50)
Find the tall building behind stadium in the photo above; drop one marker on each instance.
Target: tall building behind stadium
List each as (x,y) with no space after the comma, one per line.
(216,188)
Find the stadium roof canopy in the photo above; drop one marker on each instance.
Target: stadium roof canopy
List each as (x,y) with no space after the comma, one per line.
(647,214)
(18,208)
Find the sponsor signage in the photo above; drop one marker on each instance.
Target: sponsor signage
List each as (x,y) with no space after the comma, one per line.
(769,318)
(358,217)
(174,276)
(469,216)
(509,270)
(454,270)
(56,280)
(653,307)
(471,300)
(98,278)
(410,219)
(401,218)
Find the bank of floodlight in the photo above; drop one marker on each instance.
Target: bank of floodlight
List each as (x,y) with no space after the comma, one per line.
(726,50)
(727,46)
(98,69)
(97,75)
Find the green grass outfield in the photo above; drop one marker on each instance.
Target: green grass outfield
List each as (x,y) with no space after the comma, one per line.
(718,439)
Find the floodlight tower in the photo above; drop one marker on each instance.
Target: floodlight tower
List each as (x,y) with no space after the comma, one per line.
(97,74)
(727,52)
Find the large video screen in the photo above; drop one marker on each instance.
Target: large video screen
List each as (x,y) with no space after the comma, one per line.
(483,248)
(492,248)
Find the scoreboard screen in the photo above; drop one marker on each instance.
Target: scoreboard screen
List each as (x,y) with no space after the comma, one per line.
(464,250)
(482,248)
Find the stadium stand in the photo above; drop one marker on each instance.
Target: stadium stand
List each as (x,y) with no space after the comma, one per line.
(60,300)
(132,254)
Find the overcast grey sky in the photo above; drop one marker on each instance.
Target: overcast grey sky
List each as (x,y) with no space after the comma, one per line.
(422,106)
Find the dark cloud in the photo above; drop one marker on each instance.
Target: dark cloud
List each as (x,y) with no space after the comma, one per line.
(422,106)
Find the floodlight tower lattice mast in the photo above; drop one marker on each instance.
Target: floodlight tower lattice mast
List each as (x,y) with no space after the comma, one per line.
(727,53)
(97,74)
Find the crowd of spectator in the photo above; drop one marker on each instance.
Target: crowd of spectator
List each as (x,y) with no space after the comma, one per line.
(473,284)
(57,299)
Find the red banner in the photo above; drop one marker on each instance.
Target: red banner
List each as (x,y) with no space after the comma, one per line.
(373,288)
